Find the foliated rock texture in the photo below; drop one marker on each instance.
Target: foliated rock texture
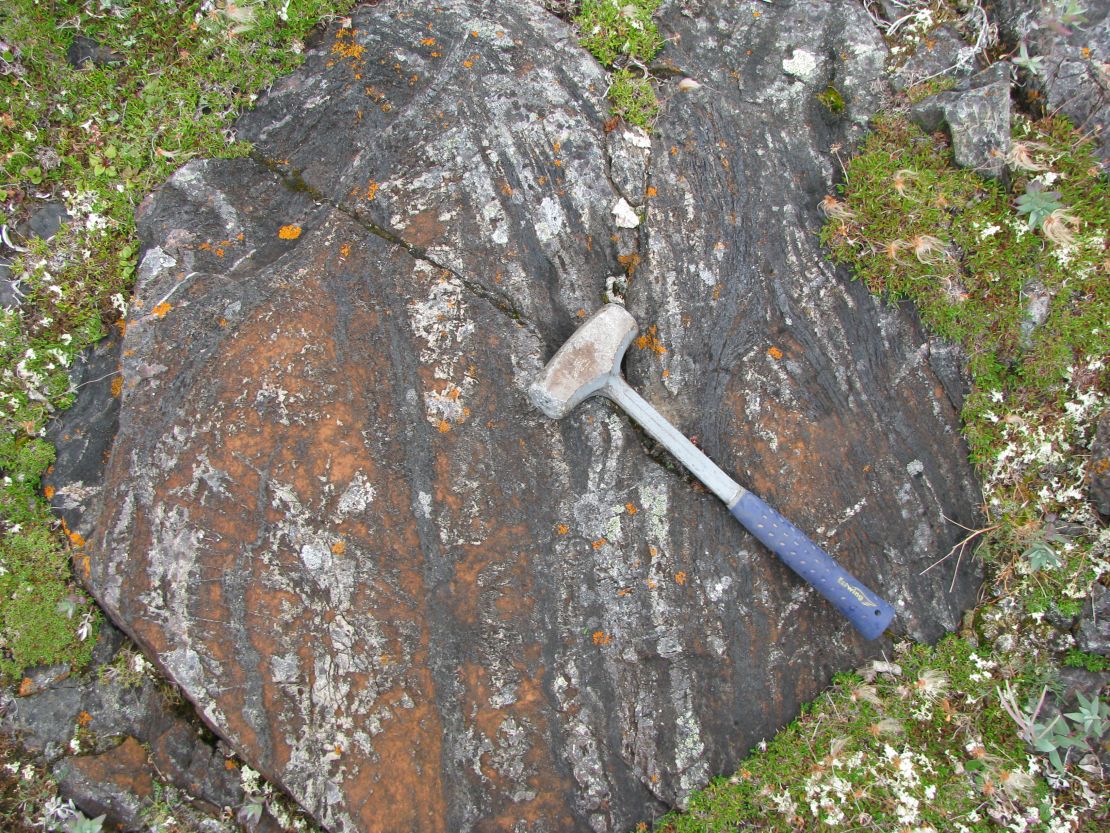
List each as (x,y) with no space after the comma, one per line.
(332,515)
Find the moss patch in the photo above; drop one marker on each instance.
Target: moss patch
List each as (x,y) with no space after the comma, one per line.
(623,36)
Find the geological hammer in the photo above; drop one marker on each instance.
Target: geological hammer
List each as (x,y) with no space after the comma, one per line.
(590,363)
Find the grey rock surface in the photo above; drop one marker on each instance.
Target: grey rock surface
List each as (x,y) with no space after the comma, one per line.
(944,54)
(333,518)
(1098,468)
(978,119)
(1092,633)
(1073,79)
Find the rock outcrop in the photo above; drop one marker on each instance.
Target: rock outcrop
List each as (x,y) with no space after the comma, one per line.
(331,514)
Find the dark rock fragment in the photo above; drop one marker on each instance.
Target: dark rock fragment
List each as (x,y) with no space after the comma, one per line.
(115,784)
(83,434)
(942,55)
(1092,633)
(46,220)
(86,51)
(977,117)
(1098,467)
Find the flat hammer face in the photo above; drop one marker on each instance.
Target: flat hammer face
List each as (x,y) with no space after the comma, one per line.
(587,363)
(590,362)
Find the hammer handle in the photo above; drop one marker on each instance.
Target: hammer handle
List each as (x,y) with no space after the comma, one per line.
(849,595)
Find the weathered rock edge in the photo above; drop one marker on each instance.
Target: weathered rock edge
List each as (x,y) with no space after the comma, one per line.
(331,515)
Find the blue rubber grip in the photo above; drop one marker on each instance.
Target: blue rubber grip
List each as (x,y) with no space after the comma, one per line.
(864,609)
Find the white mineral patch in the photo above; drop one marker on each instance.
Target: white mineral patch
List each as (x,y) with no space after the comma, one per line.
(356,497)
(624,215)
(914,468)
(637,138)
(801,64)
(716,589)
(315,556)
(550,220)
(154,261)
(285,669)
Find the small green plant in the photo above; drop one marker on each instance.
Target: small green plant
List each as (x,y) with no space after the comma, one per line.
(1055,738)
(623,36)
(1038,204)
(616,31)
(633,98)
(832,100)
(1041,556)
(81,823)
(1034,65)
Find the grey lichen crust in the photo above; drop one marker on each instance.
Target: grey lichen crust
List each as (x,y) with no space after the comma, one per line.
(389,581)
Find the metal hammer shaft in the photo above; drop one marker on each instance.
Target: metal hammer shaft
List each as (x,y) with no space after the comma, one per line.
(692,457)
(861,606)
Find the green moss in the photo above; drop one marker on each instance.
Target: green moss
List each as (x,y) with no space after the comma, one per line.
(622,36)
(919,92)
(1091,662)
(832,100)
(633,98)
(922,229)
(616,31)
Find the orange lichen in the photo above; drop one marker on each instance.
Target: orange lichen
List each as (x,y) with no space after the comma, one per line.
(443,426)
(562,529)
(48,492)
(345,250)
(117,386)
(650,341)
(339,547)
(631,508)
(629,262)
(289,232)
(774,352)
(83,719)
(372,190)
(599,543)
(161,310)
(680,577)
(650,192)
(428,42)
(77,539)
(26,687)
(345,46)
(601,638)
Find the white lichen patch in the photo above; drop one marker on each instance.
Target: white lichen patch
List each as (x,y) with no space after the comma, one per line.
(446,407)
(801,65)
(355,499)
(550,219)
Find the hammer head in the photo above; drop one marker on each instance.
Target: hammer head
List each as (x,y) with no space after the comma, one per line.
(586,363)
